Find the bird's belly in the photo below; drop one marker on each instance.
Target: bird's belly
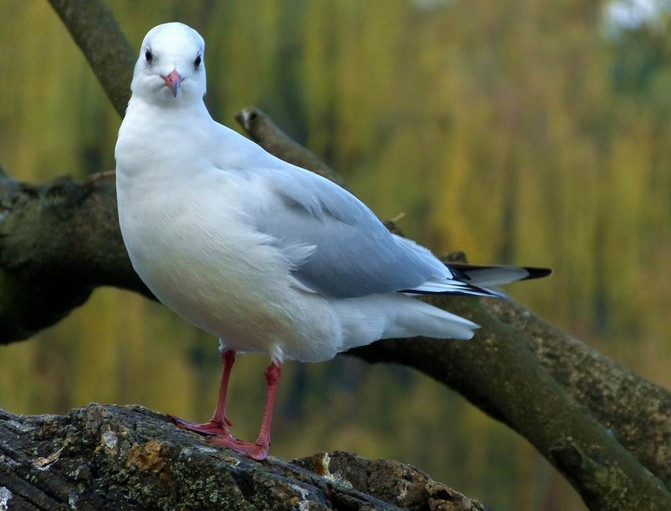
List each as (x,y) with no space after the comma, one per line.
(217,303)
(228,282)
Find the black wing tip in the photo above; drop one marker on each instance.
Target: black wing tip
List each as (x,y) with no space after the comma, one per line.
(461,269)
(537,273)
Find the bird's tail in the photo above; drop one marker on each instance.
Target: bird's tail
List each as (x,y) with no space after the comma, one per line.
(385,316)
(370,318)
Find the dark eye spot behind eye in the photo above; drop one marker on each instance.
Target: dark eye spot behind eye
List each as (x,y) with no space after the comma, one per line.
(148,56)
(196,63)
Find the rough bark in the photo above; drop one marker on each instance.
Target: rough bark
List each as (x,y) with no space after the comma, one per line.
(521,370)
(128,457)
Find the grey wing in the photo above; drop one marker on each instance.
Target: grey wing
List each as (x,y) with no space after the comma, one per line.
(338,245)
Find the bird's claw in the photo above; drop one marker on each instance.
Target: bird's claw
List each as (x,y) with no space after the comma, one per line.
(256,451)
(218,434)
(210,429)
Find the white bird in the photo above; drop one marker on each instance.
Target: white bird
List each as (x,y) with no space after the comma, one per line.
(268,257)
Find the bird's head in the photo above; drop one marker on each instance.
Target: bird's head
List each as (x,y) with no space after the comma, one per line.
(170,68)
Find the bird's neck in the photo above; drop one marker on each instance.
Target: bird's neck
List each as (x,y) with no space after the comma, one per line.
(138,106)
(154,135)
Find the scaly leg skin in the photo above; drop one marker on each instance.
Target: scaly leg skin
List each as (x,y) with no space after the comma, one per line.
(259,449)
(217,426)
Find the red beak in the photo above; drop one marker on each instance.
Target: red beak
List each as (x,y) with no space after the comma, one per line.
(172,82)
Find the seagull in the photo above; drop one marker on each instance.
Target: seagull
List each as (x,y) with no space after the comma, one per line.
(268,257)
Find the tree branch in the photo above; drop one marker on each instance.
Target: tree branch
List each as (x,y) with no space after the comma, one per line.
(95,30)
(58,241)
(128,457)
(636,410)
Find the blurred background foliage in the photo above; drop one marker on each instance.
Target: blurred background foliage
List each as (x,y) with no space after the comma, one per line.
(520,131)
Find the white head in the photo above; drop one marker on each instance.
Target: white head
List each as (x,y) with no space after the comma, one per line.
(170,69)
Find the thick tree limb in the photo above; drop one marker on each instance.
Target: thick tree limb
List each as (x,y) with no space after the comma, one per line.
(118,457)
(637,411)
(58,241)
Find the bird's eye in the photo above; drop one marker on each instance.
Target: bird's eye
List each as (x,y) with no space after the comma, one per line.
(197,62)
(148,56)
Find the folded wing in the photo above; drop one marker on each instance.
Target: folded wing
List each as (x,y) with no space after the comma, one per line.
(337,246)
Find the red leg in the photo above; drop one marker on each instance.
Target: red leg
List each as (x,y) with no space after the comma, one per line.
(259,449)
(217,425)
(272,374)
(227,359)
